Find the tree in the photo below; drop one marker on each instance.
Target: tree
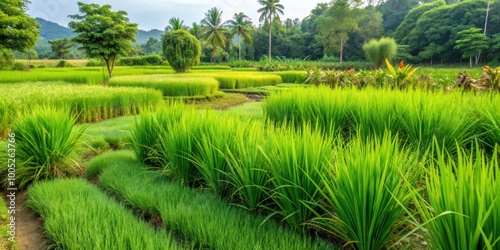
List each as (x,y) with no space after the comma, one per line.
(241,26)
(18,31)
(181,49)
(470,42)
(175,24)
(31,54)
(336,24)
(153,45)
(196,30)
(6,58)
(61,47)
(103,33)
(430,51)
(270,12)
(377,51)
(214,30)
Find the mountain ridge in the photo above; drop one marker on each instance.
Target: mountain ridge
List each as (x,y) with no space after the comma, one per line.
(51,31)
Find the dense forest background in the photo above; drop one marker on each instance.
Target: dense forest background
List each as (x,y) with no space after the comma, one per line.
(425,31)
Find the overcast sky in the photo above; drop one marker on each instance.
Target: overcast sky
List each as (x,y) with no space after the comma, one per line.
(154,14)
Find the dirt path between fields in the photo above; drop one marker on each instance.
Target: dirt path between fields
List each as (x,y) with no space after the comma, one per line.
(29,227)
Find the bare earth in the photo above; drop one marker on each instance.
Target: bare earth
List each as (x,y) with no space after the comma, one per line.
(29,227)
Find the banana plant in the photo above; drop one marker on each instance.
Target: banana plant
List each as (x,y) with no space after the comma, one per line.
(400,77)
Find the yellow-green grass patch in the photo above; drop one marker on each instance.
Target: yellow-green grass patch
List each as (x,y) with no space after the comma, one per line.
(87,103)
(170,85)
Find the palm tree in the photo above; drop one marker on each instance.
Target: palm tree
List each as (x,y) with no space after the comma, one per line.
(271,10)
(214,30)
(242,26)
(196,30)
(175,24)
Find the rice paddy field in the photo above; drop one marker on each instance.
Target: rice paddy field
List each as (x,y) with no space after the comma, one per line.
(116,164)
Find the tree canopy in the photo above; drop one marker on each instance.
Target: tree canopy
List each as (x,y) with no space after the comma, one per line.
(18,31)
(270,11)
(103,33)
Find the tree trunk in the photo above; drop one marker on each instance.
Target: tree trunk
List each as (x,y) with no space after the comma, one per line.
(341,49)
(470,61)
(270,32)
(239,46)
(214,50)
(484,30)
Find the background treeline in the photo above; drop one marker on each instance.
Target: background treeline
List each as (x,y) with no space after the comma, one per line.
(426,32)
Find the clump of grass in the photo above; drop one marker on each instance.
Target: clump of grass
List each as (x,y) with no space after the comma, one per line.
(78,216)
(463,200)
(45,141)
(295,163)
(200,218)
(366,192)
(170,85)
(248,174)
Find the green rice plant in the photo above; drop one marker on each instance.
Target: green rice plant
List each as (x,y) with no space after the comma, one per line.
(366,192)
(326,109)
(45,141)
(292,76)
(226,82)
(67,75)
(426,117)
(169,85)
(257,81)
(199,218)
(295,167)
(148,129)
(87,103)
(179,147)
(248,173)
(212,146)
(77,215)
(463,199)
(489,119)
(374,118)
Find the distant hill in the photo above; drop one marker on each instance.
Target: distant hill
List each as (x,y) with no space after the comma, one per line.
(53,31)
(143,36)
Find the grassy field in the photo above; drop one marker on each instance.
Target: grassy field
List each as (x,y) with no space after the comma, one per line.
(309,167)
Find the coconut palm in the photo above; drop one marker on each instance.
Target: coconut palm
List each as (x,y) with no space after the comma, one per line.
(270,12)
(241,26)
(214,30)
(175,24)
(196,30)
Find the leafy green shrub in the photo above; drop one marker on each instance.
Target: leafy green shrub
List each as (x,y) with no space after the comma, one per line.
(377,51)
(45,141)
(152,59)
(94,63)
(64,64)
(20,66)
(74,210)
(170,85)
(181,49)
